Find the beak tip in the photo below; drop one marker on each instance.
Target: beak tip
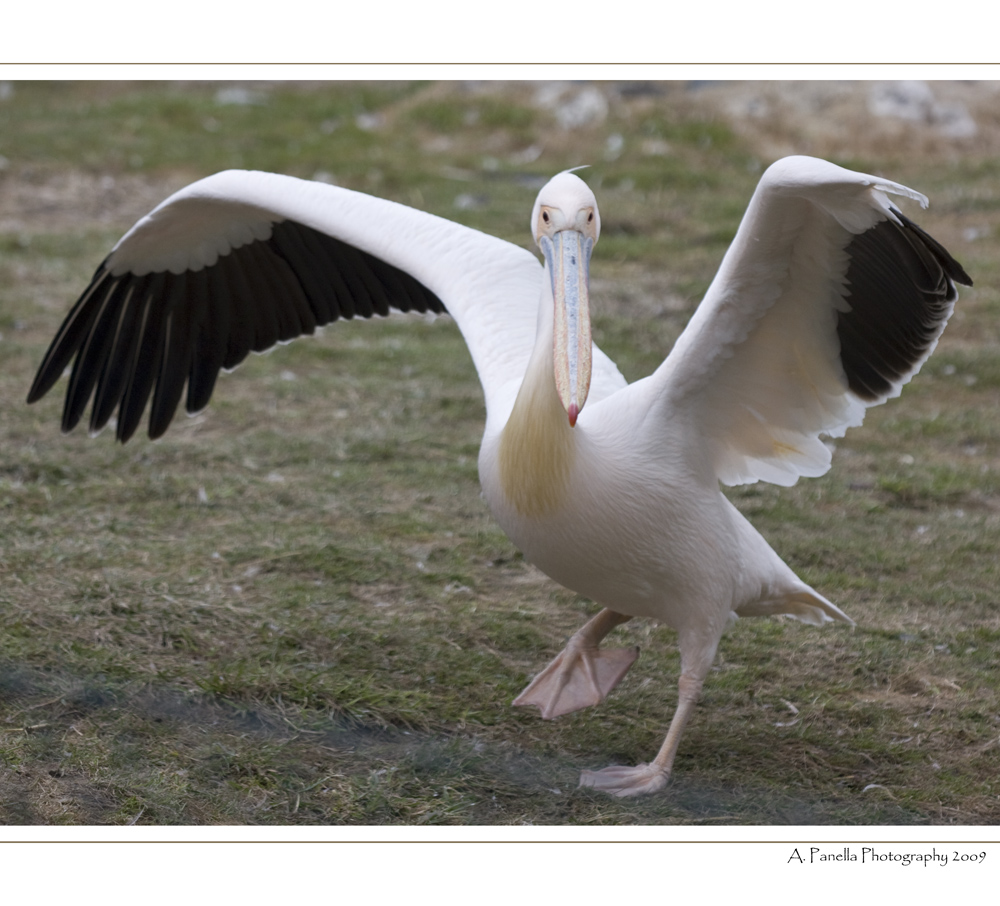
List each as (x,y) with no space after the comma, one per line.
(574,414)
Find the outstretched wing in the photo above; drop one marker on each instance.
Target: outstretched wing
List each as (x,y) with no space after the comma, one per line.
(828,301)
(242,260)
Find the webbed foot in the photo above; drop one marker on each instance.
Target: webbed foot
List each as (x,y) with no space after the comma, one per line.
(579,676)
(623,781)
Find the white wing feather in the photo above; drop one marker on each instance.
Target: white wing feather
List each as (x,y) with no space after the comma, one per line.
(490,287)
(757,369)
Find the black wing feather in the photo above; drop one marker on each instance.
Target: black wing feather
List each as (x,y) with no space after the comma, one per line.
(146,364)
(295,317)
(324,256)
(212,331)
(136,336)
(93,353)
(119,363)
(288,242)
(901,289)
(175,353)
(350,265)
(71,334)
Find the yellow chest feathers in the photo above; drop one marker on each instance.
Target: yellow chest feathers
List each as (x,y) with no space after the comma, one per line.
(537,451)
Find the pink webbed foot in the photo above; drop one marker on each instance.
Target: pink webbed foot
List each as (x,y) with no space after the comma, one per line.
(623,781)
(577,678)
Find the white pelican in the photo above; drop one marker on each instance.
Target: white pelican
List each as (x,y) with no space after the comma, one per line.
(828,301)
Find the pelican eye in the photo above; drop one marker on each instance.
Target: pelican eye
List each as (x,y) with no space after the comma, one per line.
(545,216)
(590,217)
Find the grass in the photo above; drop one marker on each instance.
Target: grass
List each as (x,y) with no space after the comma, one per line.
(295,608)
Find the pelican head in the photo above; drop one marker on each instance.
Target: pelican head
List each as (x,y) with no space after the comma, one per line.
(565,223)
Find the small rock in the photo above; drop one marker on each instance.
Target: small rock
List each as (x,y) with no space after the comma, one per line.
(573,107)
(369,122)
(613,146)
(469,202)
(914,100)
(238,96)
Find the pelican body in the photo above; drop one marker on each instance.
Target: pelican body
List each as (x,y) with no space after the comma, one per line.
(828,301)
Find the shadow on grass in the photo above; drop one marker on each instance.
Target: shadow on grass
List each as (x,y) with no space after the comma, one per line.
(98,752)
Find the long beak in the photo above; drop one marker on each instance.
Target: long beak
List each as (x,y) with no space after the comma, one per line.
(568,256)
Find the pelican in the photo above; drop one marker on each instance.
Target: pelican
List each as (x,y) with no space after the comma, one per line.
(828,301)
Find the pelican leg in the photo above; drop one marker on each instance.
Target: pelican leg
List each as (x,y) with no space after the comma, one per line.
(581,674)
(697,654)
(649,778)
